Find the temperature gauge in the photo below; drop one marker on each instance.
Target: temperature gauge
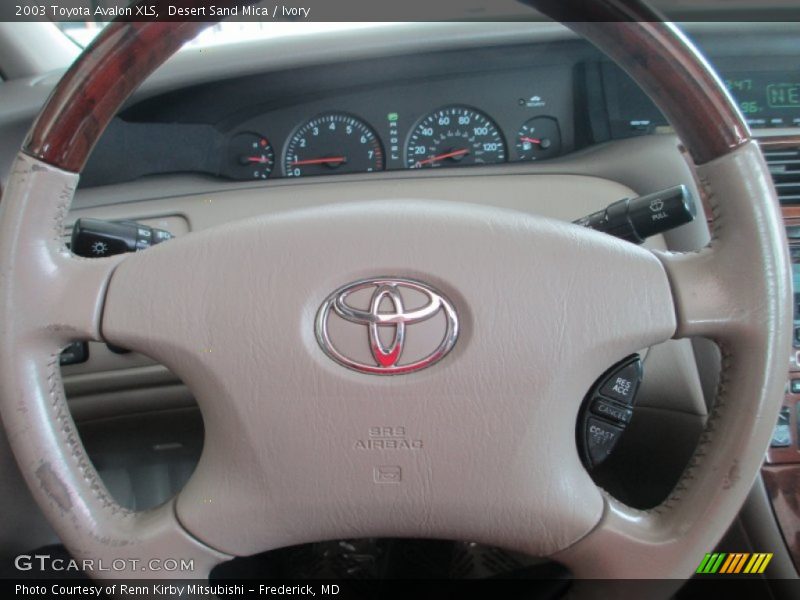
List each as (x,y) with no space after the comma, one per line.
(250,156)
(538,138)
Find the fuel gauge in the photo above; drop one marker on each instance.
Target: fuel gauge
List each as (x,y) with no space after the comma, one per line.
(250,156)
(538,138)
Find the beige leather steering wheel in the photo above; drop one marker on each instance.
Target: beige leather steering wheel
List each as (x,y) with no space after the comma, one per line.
(231,310)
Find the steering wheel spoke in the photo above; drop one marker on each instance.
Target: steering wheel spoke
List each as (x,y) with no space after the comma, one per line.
(712,300)
(715,296)
(49,298)
(62,294)
(630,544)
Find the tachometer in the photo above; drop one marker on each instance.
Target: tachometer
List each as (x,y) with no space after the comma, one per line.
(455,135)
(333,143)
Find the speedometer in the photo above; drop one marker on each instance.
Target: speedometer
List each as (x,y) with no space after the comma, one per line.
(455,135)
(333,143)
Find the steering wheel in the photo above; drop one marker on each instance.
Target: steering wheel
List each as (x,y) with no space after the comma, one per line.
(543,308)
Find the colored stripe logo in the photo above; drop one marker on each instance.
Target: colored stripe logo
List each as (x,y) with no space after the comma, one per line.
(734,563)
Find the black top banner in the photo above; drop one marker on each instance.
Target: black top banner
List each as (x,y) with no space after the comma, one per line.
(374,10)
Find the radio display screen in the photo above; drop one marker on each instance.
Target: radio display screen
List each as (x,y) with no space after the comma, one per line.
(767,98)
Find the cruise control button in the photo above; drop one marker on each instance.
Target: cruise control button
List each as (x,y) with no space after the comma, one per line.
(607,409)
(622,384)
(612,411)
(601,437)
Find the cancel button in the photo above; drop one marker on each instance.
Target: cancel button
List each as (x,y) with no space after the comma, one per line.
(611,411)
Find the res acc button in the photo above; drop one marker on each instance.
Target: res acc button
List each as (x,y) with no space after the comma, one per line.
(623,383)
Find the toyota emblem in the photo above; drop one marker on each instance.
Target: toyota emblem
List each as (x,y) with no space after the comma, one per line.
(387,326)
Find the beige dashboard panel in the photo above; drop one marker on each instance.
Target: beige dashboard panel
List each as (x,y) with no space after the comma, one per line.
(555,196)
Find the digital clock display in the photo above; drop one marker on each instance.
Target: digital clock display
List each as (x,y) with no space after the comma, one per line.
(767,98)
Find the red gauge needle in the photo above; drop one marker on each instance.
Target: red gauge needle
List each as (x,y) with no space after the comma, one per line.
(452,154)
(320,161)
(531,140)
(257,159)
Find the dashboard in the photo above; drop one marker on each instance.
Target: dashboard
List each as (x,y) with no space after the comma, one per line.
(473,108)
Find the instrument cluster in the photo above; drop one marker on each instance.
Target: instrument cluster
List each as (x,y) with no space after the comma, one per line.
(458,111)
(337,141)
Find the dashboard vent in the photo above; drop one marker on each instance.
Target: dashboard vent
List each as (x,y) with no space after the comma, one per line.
(784,165)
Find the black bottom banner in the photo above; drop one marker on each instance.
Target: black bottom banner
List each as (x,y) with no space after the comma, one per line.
(464,589)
